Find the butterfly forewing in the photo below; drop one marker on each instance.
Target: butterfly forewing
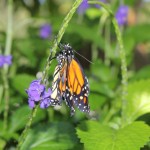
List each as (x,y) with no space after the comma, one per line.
(79,86)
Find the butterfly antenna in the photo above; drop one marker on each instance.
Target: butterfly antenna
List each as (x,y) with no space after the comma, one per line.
(83,57)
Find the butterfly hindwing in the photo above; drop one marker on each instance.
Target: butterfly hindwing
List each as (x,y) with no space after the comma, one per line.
(69,100)
(56,94)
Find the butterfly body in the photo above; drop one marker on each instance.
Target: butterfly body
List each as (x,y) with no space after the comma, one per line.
(70,83)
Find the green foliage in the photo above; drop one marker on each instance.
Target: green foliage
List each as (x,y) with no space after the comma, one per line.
(21,82)
(93,13)
(139,36)
(57,136)
(143,73)
(18,122)
(138,99)
(2,143)
(94,135)
(93,35)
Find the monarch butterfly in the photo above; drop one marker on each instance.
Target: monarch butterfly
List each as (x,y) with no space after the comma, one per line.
(69,81)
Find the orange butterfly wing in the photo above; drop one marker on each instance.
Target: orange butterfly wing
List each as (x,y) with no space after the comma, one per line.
(78,85)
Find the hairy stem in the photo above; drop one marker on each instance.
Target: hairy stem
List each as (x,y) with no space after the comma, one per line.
(122,57)
(7,52)
(27,127)
(107,43)
(45,72)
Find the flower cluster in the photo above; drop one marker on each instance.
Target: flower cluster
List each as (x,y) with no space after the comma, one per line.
(84,6)
(37,93)
(45,31)
(98,6)
(121,15)
(5,60)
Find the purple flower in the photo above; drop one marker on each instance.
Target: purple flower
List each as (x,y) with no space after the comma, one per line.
(1,60)
(31,103)
(83,7)
(37,93)
(98,6)
(5,60)
(35,90)
(121,15)
(8,60)
(46,101)
(45,31)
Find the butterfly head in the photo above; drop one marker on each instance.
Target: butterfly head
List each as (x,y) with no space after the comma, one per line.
(66,54)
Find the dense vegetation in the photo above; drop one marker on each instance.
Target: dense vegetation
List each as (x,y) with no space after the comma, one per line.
(113,40)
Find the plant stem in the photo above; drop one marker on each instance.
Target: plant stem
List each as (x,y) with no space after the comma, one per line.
(122,57)
(45,72)
(123,70)
(6,99)
(7,52)
(27,127)
(107,44)
(109,115)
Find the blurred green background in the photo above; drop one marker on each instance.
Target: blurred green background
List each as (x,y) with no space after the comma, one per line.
(92,35)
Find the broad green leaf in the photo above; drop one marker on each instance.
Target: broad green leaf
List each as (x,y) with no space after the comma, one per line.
(2,143)
(96,100)
(21,82)
(102,71)
(129,44)
(138,33)
(138,99)
(143,73)
(20,117)
(13,102)
(94,135)
(5,134)
(26,48)
(58,136)
(101,88)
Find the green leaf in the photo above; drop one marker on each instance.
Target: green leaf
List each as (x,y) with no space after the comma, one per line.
(20,117)
(138,33)
(26,48)
(21,82)
(138,99)
(101,88)
(143,73)
(96,100)
(105,73)
(131,137)
(58,136)
(2,143)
